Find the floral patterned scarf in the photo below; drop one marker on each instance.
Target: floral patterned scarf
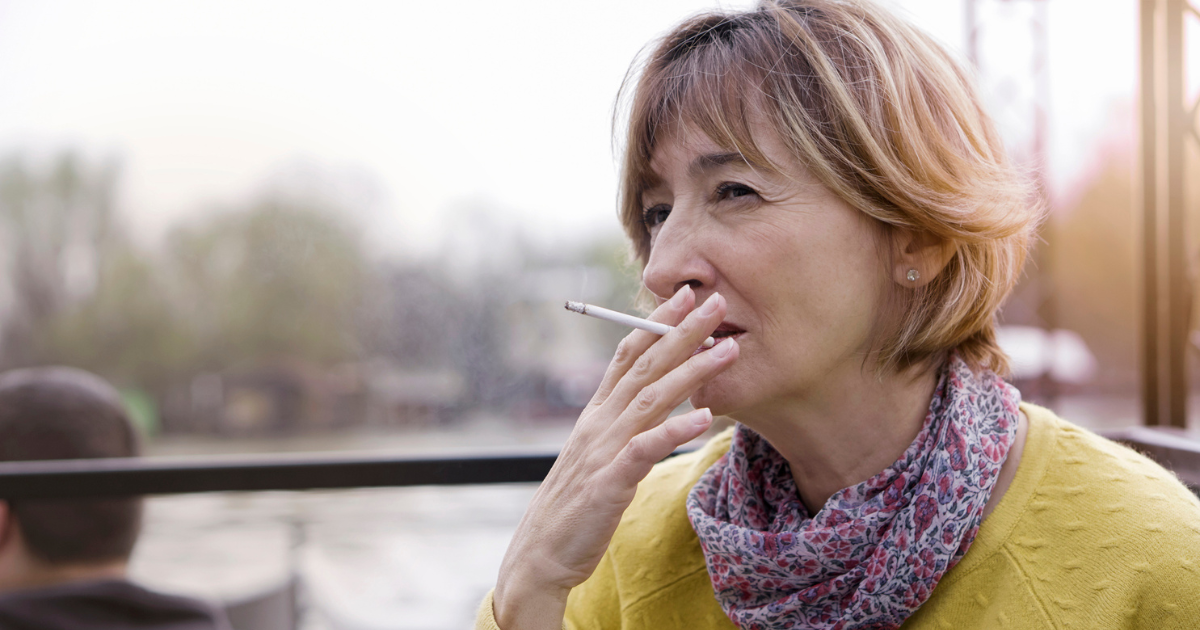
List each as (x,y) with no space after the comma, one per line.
(873,554)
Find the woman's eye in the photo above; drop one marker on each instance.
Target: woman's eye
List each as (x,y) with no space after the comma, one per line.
(733,191)
(654,216)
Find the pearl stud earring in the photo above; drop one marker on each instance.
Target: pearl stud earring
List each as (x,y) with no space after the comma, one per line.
(913,275)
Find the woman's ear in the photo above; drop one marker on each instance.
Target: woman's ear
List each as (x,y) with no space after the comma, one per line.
(920,257)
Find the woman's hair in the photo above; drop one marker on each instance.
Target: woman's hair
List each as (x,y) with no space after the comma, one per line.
(880,114)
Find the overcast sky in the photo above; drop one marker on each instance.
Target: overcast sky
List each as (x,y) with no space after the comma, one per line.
(414,111)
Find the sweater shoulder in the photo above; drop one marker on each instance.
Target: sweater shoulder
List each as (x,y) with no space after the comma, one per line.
(1094,478)
(1108,533)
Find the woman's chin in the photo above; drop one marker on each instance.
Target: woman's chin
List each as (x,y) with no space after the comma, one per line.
(721,397)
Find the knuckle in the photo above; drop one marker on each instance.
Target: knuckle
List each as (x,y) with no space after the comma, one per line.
(624,353)
(643,367)
(647,399)
(639,448)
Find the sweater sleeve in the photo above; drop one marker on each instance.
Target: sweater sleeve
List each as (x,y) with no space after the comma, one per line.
(595,604)
(653,548)
(485,618)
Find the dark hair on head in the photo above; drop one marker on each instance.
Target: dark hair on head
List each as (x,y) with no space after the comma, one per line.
(65,413)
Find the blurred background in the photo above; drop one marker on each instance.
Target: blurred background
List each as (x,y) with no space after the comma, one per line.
(299,226)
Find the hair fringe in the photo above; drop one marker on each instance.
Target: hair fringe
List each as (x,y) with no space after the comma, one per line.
(884,117)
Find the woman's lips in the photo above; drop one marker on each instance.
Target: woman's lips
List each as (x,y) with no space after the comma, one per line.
(724,331)
(727,330)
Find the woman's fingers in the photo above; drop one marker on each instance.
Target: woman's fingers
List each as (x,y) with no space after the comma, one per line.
(571,521)
(675,348)
(658,399)
(646,449)
(635,343)
(578,507)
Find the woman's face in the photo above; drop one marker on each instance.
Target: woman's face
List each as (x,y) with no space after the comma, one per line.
(800,269)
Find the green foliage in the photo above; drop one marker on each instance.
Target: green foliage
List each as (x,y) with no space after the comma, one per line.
(268,282)
(56,229)
(126,329)
(143,413)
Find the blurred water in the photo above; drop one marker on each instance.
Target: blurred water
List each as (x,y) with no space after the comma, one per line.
(387,558)
(368,559)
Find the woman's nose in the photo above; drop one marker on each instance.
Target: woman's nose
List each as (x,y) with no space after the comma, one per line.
(677,257)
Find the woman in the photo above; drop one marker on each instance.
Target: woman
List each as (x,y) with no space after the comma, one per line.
(814,183)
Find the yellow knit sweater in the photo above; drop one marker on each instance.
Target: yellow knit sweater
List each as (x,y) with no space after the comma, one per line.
(1089,535)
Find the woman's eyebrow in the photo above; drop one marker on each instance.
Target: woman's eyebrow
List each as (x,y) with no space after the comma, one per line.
(715,160)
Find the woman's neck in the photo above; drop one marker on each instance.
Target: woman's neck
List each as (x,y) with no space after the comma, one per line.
(848,429)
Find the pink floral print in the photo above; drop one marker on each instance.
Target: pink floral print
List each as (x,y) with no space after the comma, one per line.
(874,553)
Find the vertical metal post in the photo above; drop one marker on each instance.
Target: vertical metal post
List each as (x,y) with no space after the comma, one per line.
(1165,127)
(1179,289)
(1148,69)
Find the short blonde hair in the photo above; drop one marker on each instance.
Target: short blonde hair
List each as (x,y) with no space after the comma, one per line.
(880,114)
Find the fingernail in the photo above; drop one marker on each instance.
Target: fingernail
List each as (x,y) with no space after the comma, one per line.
(703,419)
(680,296)
(710,305)
(722,349)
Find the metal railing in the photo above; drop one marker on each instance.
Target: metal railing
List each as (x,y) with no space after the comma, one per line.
(89,478)
(302,471)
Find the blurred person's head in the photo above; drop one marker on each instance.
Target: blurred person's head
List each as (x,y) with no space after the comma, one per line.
(63,413)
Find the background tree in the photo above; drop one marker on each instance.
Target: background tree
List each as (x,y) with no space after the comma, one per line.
(269,282)
(57,232)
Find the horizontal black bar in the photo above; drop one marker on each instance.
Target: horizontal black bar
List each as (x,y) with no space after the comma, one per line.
(319,471)
(141,476)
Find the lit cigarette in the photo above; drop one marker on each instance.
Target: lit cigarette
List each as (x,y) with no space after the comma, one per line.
(628,320)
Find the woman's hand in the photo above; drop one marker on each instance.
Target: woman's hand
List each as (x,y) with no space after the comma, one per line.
(621,434)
